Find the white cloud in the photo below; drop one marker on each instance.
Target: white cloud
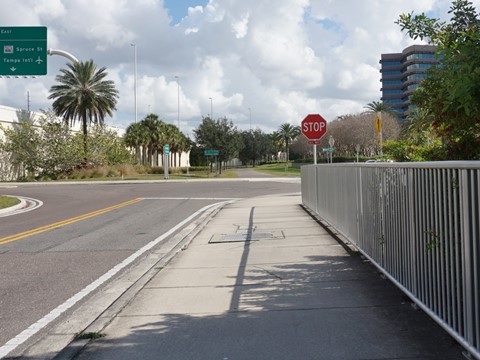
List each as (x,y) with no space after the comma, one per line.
(282,59)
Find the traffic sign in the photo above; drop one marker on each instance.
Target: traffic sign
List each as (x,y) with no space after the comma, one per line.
(315,142)
(23,50)
(314,126)
(327,150)
(209,152)
(166,149)
(378,123)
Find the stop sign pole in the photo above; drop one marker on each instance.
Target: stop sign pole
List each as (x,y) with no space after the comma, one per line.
(313,128)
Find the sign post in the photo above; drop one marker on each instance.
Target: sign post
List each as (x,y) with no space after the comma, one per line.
(378,127)
(166,152)
(313,128)
(23,50)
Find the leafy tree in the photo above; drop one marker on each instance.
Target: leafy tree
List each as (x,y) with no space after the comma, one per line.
(107,148)
(22,146)
(83,94)
(219,135)
(50,149)
(257,147)
(451,92)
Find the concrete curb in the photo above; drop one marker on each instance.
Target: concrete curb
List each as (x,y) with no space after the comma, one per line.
(62,341)
(21,205)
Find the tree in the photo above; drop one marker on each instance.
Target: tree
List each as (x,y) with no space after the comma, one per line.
(84,95)
(136,137)
(379,107)
(451,92)
(257,146)
(22,145)
(155,130)
(353,129)
(219,135)
(49,149)
(288,133)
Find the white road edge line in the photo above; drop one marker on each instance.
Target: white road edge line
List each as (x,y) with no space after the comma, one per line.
(55,313)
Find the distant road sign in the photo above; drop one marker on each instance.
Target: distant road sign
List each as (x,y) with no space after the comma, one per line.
(327,150)
(210,152)
(314,126)
(23,50)
(166,149)
(378,123)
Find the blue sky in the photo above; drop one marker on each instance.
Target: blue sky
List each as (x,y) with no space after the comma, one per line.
(178,9)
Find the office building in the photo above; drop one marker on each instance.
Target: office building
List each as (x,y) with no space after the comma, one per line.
(402,74)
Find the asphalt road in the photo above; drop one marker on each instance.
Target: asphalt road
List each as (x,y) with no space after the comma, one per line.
(49,264)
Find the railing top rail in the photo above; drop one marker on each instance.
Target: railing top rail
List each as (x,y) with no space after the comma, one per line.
(423,165)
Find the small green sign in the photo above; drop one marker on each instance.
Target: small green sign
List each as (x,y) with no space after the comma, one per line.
(327,150)
(210,152)
(166,149)
(23,50)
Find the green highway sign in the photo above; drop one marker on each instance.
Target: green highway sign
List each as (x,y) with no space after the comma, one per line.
(23,50)
(211,152)
(327,150)
(166,149)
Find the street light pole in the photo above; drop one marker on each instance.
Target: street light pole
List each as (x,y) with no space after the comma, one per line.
(250,111)
(135,78)
(178,102)
(211,108)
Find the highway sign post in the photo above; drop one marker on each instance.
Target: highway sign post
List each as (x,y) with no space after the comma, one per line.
(378,127)
(210,152)
(166,152)
(313,128)
(23,50)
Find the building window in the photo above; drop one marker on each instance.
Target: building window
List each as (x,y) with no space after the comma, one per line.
(391,63)
(419,66)
(420,57)
(392,91)
(392,82)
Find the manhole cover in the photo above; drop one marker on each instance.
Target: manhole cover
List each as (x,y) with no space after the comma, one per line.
(245,236)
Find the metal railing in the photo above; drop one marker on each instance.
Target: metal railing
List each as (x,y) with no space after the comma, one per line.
(419,223)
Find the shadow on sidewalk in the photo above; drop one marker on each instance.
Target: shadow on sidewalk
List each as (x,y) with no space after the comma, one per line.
(327,307)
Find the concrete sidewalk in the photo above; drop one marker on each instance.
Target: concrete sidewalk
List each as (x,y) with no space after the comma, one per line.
(263,280)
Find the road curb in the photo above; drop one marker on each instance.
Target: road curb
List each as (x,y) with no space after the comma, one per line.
(13,208)
(62,341)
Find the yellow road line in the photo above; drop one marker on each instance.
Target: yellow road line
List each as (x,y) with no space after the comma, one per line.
(56,225)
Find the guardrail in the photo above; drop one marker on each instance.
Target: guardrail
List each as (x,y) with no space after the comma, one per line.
(419,223)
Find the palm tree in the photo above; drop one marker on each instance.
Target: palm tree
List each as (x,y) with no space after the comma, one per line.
(84,95)
(379,106)
(288,132)
(156,137)
(136,137)
(418,125)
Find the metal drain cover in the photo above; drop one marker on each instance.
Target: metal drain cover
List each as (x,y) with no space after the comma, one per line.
(242,237)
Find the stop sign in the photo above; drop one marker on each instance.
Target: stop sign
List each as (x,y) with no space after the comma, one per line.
(314,126)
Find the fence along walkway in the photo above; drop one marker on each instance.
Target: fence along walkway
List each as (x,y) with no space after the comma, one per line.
(419,223)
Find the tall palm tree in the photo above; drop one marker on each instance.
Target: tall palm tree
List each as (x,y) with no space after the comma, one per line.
(136,137)
(83,94)
(288,132)
(156,137)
